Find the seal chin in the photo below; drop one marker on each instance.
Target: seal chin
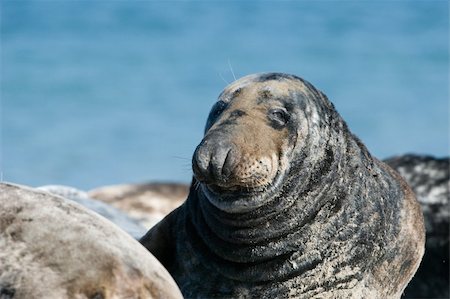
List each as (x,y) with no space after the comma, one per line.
(238,199)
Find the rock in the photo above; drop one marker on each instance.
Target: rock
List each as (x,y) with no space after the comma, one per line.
(148,202)
(54,248)
(116,216)
(429,177)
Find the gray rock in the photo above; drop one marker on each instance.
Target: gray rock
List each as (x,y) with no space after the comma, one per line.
(149,203)
(54,248)
(429,177)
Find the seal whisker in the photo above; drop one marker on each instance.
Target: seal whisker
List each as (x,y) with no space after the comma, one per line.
(231,69)
(197,185)
(223,79)
(182,158)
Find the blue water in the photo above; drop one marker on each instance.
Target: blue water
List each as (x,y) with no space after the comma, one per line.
(97,93)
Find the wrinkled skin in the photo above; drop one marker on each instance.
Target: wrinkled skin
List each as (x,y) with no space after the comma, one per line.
(286,202)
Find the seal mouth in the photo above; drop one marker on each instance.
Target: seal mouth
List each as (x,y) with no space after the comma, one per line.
(234,191)
(237,199)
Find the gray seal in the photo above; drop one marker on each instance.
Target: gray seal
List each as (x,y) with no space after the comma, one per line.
(287,203)
(54,248)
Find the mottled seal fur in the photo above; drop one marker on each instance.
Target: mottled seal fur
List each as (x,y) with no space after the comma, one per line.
(54,248)
(287,202)
(128,224)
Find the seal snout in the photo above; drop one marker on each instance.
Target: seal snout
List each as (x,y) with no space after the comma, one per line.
(214,160)
(224,164)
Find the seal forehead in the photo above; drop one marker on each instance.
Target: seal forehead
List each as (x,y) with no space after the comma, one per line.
(274,84)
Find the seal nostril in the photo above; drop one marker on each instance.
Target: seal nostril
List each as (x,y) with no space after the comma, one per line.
(200,161)
(228,164)
(217,163)
(214,160)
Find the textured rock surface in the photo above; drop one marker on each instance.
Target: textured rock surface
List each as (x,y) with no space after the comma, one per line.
(148,203)
(114,215)
(429,177)
(53,248)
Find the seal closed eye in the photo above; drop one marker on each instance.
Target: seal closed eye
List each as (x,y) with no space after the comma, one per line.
(286,202)
(278,117)
(216,110)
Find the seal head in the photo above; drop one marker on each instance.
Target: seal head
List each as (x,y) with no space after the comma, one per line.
(258,124)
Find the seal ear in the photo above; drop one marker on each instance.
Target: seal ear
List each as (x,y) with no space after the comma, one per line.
(159,240)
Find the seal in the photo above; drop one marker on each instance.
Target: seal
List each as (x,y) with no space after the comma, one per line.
(287,203)
(54,248)
(116,216)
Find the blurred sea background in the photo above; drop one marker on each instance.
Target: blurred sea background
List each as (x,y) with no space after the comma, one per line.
(104,92)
